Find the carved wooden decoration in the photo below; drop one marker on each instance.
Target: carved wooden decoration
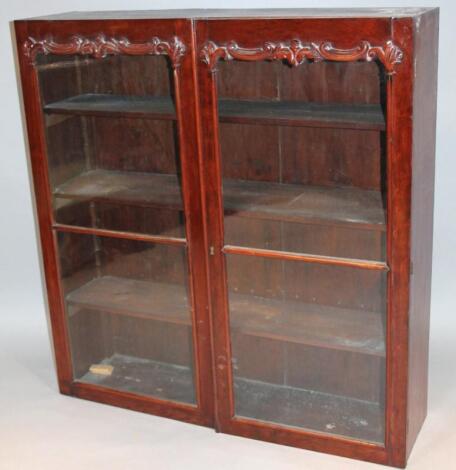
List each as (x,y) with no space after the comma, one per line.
(295,53)
(102,46)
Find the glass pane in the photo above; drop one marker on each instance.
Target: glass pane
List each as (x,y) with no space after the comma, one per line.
(308,345)
(303,164)
(128,315)
(303,157)
(112,143)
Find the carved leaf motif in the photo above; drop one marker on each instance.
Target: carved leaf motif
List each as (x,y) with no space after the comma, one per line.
(389,56)
(295,53)
(101,46)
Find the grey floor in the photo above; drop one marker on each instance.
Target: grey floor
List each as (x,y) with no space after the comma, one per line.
(40,429)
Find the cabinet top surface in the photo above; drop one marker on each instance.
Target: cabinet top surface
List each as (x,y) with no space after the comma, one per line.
(239,13)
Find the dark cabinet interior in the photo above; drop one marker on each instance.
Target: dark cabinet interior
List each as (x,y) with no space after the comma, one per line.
(229,211)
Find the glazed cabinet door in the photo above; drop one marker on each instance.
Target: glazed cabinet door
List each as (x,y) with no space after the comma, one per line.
(297,193)
(111,115)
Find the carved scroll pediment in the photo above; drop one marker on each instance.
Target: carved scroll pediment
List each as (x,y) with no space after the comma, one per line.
(295,53)
(102,46)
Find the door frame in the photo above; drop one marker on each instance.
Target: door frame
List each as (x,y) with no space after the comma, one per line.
(272,39)
(101,37)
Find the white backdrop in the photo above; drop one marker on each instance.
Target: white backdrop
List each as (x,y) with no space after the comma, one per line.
(27,383)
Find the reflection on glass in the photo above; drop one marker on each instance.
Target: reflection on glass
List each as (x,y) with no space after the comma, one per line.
(128,315)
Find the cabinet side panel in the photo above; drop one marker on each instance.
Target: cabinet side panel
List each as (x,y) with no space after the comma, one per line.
(424,118)
(38,164)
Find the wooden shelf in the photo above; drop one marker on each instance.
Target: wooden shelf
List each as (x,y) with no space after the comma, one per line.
(285,113)
(272,201)
(91,104)
(306,204)
(141,299)
(297,113)
(146,189)
(310,324)
(322,412)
